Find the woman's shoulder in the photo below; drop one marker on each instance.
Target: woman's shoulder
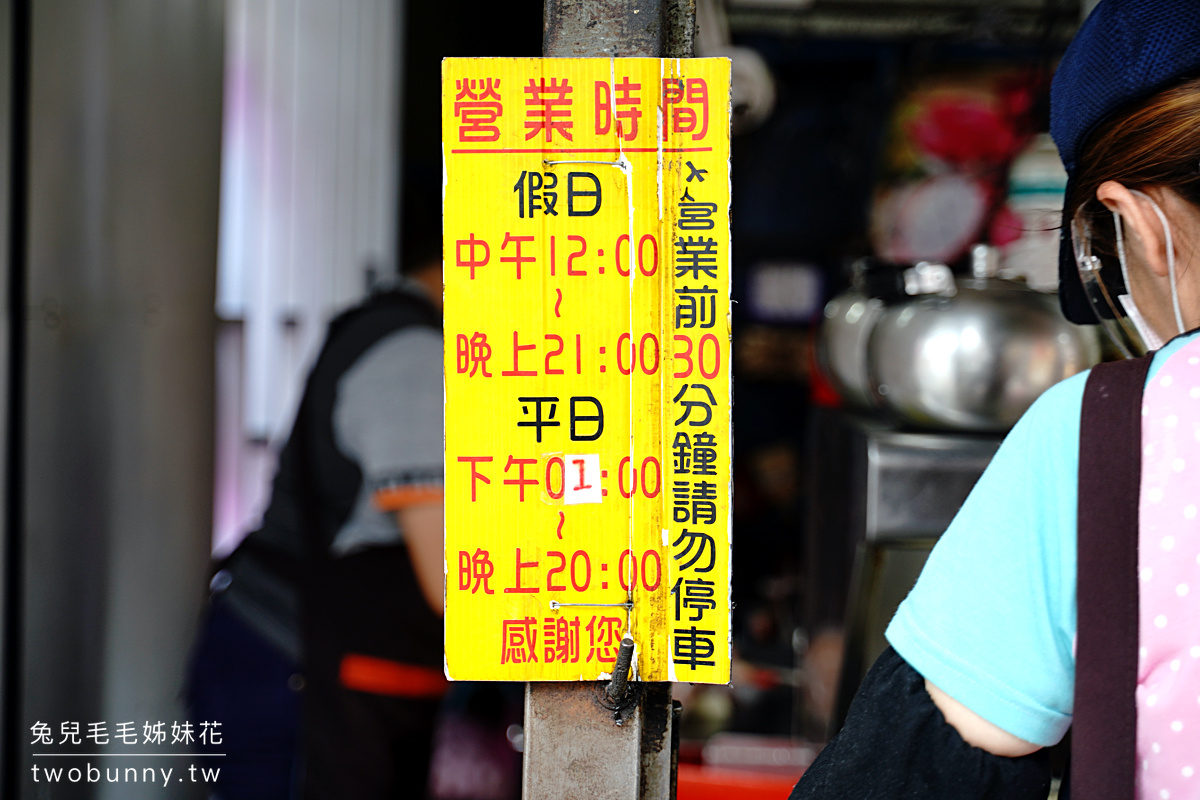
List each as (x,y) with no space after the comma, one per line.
(1053,418)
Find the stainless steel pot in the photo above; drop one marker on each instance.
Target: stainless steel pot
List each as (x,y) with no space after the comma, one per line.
(975,360)
(842,344)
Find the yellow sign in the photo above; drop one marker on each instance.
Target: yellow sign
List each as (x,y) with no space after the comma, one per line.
(587,366)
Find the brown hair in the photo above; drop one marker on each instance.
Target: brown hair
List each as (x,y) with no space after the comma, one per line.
(1155,142)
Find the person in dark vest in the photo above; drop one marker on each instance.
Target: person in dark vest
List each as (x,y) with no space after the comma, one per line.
(1066,593)
(330,613)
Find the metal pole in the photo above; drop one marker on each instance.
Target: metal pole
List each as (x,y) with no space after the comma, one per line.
(14,94)
(606,741)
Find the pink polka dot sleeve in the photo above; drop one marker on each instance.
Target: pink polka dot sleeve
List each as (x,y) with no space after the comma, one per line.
(1168,691)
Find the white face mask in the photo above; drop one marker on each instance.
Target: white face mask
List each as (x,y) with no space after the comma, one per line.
(1151,338)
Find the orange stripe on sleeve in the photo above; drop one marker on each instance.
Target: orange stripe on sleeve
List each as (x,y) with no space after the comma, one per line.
(394,498)
(381,676)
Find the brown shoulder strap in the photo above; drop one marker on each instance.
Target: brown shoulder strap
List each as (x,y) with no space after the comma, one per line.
(1104,731)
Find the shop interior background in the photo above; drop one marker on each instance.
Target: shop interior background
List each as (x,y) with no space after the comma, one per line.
(195,187)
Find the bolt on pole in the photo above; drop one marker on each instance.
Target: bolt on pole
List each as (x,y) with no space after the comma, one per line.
(619,685)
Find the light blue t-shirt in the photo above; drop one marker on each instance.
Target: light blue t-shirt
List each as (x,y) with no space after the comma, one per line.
(991,620)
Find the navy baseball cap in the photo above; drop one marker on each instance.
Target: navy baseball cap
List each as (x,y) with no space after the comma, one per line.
(1126,50)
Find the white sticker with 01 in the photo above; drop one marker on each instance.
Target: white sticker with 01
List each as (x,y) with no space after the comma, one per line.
(581,479)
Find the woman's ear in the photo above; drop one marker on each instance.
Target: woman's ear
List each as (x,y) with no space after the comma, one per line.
(1143,231)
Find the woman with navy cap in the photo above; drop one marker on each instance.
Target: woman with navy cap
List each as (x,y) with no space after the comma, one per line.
(1066,593)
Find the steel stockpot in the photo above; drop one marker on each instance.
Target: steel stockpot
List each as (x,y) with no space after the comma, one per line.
(968,354)
(975,361)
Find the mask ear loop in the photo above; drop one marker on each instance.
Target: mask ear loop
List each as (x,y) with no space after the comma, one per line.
(1170,256)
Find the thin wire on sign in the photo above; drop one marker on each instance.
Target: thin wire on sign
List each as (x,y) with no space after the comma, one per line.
(627,168)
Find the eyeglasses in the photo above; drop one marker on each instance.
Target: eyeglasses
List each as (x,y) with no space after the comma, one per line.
(1100,282)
